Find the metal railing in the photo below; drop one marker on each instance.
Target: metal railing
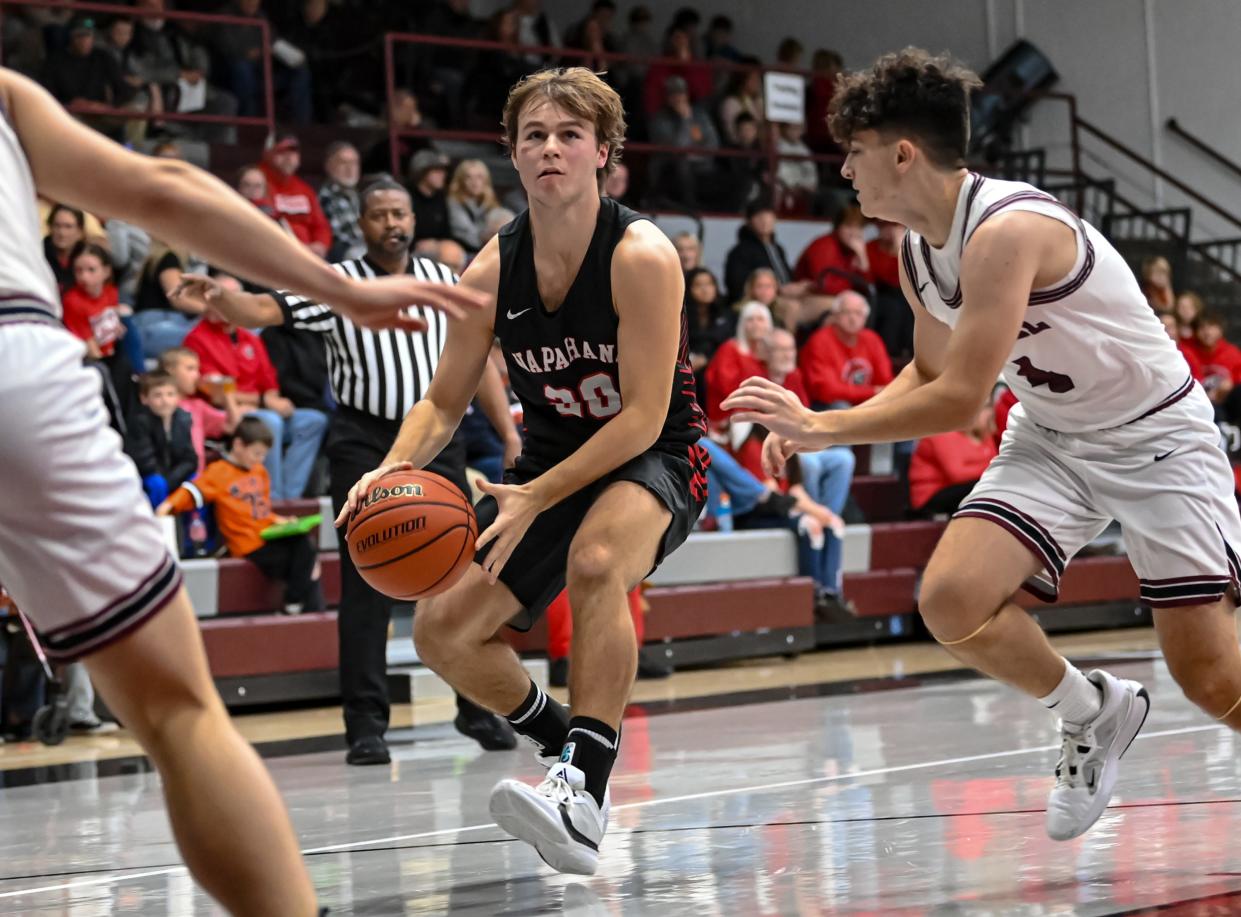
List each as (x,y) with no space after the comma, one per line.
(769,154)
(268,120)
(1203,147)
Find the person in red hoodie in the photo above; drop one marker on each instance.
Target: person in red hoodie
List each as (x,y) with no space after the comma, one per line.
(294,202)
(945,467)
(839,260)
(92,313)
(1221,364)
(844,362)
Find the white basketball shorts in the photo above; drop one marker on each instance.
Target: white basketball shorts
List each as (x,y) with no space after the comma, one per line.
(1164,478)
(80,551)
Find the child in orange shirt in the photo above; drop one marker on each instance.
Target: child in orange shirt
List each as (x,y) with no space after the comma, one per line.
(239,489)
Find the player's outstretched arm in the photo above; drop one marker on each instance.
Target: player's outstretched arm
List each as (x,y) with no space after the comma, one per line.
(997,274)
(430,424)
(196,292)
(930,348)
(647,289)
(186,206)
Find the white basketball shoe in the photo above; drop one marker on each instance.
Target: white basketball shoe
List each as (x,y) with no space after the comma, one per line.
(558,818)
(1090,756)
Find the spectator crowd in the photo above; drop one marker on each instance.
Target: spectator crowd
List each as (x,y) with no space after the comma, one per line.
(829,322)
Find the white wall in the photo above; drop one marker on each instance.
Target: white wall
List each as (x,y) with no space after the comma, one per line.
(1110,53)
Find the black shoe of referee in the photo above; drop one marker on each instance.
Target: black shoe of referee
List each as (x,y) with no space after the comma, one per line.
(368,750)
(492,732)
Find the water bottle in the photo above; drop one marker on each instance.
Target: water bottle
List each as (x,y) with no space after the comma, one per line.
(198,536)
(724,515)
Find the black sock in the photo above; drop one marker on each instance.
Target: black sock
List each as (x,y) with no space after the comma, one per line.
(591,748)
(542,720)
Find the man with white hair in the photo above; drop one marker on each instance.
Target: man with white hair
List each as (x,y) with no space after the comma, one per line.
(844,362)
(338,196)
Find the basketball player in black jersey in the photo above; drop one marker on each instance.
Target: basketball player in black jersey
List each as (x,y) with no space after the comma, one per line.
(588,313)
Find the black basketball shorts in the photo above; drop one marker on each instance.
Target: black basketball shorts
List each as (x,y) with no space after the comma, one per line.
(535,572)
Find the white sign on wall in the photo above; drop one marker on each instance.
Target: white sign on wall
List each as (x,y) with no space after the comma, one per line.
(785,96)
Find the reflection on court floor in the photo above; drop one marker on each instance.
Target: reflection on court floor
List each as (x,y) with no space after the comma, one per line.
(921,800)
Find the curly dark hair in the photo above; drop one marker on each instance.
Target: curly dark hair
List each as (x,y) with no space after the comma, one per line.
(912,93)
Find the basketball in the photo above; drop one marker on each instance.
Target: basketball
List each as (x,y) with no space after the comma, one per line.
(414,535)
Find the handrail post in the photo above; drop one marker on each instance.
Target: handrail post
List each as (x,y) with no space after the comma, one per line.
(1076,147)
(269,89)
(394,152)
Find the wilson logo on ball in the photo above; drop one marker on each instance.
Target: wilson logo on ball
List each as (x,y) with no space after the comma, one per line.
(393,531)
(379,492)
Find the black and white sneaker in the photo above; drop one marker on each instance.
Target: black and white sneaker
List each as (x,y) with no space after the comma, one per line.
(558,818)
(1090,756)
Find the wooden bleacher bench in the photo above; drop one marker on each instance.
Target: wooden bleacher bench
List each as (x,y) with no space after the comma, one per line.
(719,597)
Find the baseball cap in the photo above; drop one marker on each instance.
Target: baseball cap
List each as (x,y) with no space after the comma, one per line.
(82,24)
(425,160)
(675,84)
(286,142)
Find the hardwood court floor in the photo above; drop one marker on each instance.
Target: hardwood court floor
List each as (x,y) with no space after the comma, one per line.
(921,796)
(884,661)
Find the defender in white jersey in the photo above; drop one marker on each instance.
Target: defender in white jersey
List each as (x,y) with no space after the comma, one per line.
(79,548)
(1006,281)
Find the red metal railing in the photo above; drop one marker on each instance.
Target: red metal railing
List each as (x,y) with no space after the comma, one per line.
(392,39)
(268,120)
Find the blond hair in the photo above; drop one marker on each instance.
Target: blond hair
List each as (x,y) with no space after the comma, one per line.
(456,188)
(581,93)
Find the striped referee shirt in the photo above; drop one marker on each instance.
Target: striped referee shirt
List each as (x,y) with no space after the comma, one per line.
(381,373)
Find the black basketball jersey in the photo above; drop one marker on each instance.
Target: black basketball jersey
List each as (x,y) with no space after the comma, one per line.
(564,365)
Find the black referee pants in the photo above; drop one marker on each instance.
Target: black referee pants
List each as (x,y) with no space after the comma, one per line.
(356,444)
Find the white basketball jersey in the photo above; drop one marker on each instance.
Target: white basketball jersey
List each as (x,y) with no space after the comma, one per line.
(27,286)
(1091,354)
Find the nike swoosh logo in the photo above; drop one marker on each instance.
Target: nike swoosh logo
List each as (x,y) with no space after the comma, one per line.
(925,284)
(1160,458)
(512,314)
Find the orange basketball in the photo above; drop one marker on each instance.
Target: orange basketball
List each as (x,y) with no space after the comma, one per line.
(414,535)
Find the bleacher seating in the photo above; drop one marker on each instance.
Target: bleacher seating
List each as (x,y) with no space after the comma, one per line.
(720,596)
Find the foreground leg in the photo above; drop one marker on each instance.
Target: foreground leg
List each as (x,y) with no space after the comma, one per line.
(1200,647)
(566,816)
(229,821)
(967,607)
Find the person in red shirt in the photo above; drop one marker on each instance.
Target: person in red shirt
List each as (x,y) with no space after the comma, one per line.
(1220,361)
(1173,326)
(945,467)
(294,202)
(736,360)
(228,351)
(844,362)
(837,261)
(206,420)
(92,313)
(91,305)
(819,481)
(883,252)
(700,81)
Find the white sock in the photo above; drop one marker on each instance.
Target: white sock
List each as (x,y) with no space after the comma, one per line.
(1076,699)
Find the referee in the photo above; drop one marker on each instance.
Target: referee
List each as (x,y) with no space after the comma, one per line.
(376,377)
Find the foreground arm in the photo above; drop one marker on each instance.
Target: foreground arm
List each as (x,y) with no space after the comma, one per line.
(647,287)
(186,206)
(997,273)
(931,338)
